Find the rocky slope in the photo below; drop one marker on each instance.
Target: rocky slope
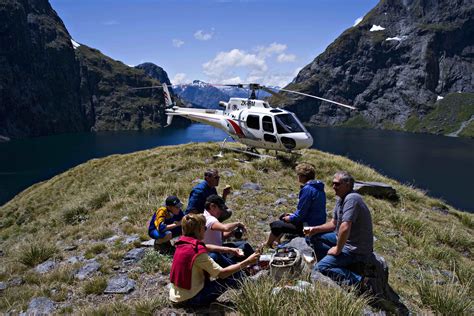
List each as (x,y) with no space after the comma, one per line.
(72,243)
(50,84)
(392,66)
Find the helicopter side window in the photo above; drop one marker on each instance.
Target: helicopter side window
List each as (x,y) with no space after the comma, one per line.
(267,124)
(286,123)
(253,121)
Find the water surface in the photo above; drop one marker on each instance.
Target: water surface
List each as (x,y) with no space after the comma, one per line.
(443,166)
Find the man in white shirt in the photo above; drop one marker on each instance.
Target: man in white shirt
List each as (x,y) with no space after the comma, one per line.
(217,232)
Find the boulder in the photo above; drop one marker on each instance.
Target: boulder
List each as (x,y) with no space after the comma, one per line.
(251,186)
(281,201)
(46,267)
(134,255)
(130,239)
(120,284)
(376,189)
(87,270)
(17,281)
(40,306)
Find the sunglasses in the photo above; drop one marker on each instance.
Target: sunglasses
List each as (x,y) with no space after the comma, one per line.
(336,184)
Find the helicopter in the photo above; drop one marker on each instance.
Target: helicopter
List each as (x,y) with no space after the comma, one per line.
(250,121)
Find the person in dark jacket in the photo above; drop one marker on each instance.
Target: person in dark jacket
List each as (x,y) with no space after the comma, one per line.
(206,188)
(311,209)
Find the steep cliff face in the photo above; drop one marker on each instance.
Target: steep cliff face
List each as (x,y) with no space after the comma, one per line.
(392,66)
(50,84)
(107,94)
(155,71)
(39,76)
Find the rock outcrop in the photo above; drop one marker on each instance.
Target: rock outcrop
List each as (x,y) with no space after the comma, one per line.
(51,84)
(392,66)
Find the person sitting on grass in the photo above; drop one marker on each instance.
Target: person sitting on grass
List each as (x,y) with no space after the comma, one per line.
(347,239)
(166,223)
(204,189)
(311,208)
(224,254)
(192,267)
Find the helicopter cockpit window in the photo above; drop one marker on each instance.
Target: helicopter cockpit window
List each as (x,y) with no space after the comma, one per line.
(286,123)
(267,124)
(253,121)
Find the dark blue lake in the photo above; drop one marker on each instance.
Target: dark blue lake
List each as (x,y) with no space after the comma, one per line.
(441,165)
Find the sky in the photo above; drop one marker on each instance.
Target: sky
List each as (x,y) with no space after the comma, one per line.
(217,41)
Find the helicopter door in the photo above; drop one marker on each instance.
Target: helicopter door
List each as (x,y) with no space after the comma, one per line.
(268,129)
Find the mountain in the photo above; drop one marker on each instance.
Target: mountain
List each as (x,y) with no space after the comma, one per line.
(51,84)
(204,95)
(155,71)
(394,66)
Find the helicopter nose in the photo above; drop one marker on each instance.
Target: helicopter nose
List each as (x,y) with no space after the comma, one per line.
(303,140)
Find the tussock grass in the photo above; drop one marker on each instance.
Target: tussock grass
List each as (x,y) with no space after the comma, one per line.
(148,306)
(75,215)
(450,298)
(36,254)
(256,298)
(94,250)
(96,285)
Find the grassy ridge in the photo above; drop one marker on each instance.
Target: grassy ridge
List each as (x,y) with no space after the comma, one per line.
(427,244)
(447,116)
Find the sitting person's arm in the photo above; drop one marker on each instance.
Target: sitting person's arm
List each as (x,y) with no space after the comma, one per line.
(324,228)
(226,228)
(342,236)
(234,251)
(228,271)
(206,263)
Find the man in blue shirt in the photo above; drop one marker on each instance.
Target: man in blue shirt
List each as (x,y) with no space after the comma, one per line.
(311,208)
(206,188)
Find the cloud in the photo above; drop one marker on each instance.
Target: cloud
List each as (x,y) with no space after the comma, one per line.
(286,58)
(225,61)
(177,42)
(358,20)
(273,48)
(180,78)
(110,22)
(202,36)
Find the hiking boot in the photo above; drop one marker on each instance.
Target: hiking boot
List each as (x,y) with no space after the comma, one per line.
(371,286)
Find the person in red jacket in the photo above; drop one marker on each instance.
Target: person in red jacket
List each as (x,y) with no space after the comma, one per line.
(192,267)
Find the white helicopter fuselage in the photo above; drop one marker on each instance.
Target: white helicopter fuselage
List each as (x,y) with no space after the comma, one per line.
(253,123)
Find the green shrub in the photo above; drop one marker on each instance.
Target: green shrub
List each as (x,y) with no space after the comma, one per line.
(154,262)
(36,254)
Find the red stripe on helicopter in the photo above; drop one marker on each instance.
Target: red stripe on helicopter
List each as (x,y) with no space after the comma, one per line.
(236,127)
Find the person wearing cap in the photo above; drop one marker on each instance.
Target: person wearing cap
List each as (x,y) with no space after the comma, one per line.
(311,208)
(166,221)
(217,232)
(192,267)
(199,194)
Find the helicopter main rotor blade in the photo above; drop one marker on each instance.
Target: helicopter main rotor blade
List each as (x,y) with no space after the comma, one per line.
(319,98)
(144,88)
